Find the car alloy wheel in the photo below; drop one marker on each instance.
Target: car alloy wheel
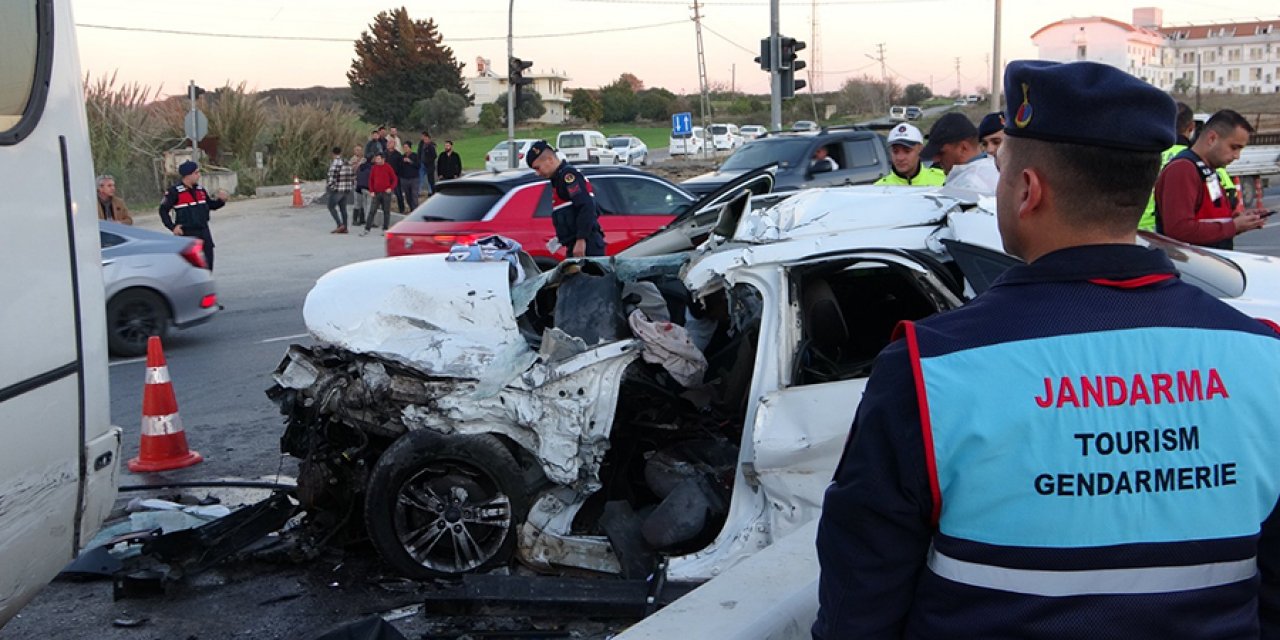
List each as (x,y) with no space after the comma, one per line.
(445,505)
(133,316)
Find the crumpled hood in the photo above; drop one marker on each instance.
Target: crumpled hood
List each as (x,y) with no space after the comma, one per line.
(445,319)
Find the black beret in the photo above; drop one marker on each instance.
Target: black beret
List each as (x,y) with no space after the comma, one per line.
(535,150)
(991,123)
(1086,103)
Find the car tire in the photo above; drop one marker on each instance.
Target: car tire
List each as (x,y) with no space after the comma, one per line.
(445,505)
(644,160)
(133,316)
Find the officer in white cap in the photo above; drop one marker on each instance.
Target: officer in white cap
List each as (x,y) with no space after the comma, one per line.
(905,142)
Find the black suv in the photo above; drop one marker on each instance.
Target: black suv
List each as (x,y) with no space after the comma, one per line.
(859,156)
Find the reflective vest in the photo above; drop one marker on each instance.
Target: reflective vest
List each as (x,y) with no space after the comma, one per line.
(925,177)
(1073,444)
(1148,220)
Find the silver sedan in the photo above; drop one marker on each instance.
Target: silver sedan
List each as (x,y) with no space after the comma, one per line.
(153,281)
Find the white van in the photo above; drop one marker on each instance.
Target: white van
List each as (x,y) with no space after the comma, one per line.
(586,147)
(725,137)
(688,144)
(59,462)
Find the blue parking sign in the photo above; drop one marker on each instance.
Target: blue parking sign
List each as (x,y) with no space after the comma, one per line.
(682,123)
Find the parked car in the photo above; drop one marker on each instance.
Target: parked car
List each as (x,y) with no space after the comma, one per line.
(804,125)
(480,421)
(688,144)
(517,204)
(914,113)
(753,131)
(153,281)
(585,147)
(860,157)
(496,159)
(897,112)
(631,150)
(960,102)
(725,137)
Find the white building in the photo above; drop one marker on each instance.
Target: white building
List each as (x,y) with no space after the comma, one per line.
(1240,57)
(488,85)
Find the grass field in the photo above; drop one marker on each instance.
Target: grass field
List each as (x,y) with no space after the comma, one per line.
(472,145)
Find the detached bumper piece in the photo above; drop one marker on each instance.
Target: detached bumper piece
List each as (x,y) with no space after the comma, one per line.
(480,594)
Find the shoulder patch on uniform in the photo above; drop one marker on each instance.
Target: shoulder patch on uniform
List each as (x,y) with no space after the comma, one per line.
(568,177)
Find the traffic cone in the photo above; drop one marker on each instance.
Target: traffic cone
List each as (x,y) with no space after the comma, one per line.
(297,193)
(164,444)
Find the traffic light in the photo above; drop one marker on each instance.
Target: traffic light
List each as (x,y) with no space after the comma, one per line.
(766,55)
(788,65)
(516,69)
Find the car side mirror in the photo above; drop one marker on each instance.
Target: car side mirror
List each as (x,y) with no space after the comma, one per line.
(822,166)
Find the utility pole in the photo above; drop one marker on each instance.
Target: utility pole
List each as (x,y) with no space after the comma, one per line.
(733,78)
(815,58)
(997,71)
(511,90)
(1197,81)
(959,93)
(885,94)
(775,79)
(705,103)
(195,152)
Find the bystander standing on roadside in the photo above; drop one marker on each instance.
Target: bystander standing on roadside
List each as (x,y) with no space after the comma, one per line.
(382,183)
(373,146)
(448,165)
(339,184)
(953,146)
(1191,204)
(362,191)
(407,170)
(427,158)
(393,139)
(191,204)
(110,206)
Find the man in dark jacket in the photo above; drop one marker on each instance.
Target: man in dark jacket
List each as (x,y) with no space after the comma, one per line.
(573,205)
(1104,466)
(427,158)
(407,168)
(448,165)
(191,205)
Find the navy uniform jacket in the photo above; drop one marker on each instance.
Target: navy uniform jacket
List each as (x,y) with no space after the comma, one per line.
(190,209)
(1016,517)
(574,211)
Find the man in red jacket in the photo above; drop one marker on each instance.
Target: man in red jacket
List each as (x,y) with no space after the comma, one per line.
(382,183)
(1191,205)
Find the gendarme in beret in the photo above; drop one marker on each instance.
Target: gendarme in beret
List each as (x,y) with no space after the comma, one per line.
(535,150)
(1086,103)
(187,168)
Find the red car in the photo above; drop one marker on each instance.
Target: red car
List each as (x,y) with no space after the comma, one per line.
(517,204)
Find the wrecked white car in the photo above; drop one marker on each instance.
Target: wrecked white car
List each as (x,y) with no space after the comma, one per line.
(688,407)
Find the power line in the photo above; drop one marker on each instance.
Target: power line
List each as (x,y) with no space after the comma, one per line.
(847,71)
(747,3)
(247,36)
(726,39)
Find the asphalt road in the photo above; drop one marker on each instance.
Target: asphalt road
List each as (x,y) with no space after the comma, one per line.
(268,257)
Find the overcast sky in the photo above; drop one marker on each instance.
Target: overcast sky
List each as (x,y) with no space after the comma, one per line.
(653,39)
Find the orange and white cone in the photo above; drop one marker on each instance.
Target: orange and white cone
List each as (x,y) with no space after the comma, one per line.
(164,443)
(297,193)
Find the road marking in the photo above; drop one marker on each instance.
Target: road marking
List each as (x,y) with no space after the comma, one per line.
(283,338)
(129,361)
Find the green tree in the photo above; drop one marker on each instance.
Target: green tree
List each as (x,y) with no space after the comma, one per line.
(585,106)
(399,60)
(1183,85)
(491,116)
(656,104)
(619,101)
(916,93)
(528,107)
(444,111)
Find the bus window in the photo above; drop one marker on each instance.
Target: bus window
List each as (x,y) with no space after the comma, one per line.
(20,64)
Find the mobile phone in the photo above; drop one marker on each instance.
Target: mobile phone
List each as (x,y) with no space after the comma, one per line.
(1267,214)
